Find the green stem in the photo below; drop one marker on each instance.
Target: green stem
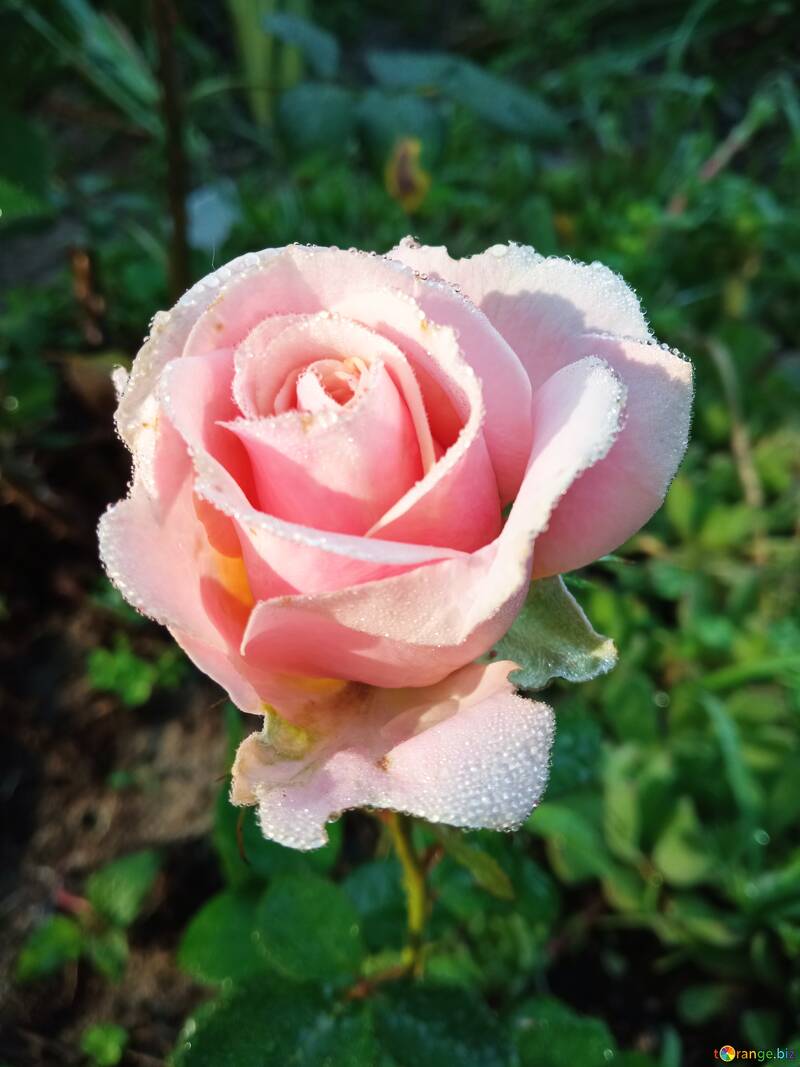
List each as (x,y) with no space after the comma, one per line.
(414,885)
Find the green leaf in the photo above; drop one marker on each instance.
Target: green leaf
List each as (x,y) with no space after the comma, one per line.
(627,698)
(548,1033)
(104,1044)
(376,891)
(680,506)
(428,1026)
(681,853)
(626,890)
(47,948)
(24,155)
(495,99)
(309,930)
(319,47)
(219,942)
(576,759)
(671,1049)
(537,898)
(727,527)
(762,1028)
(504,104)
(697,1004)
(121,671)
(742,783)
(106,55)
(18,204)
(119,889)
(484,868)
(552,638)
(314,116)
(621,804)
(410,70)
(108,952)
(774,892)
(386,118)
(689,919)
(575,838)
(342,1037)
(264,1025)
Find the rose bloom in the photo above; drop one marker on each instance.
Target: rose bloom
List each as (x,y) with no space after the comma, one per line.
(347,469)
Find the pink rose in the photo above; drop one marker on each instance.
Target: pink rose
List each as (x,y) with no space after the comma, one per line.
(324,445)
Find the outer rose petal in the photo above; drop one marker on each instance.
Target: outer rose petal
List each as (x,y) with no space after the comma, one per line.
(553,311)
(537,304)
(468,752)
(616,497)
(164,566)
(417,627)
(153,561)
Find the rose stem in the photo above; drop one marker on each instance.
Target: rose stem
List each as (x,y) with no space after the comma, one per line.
(414,885)
(165,19)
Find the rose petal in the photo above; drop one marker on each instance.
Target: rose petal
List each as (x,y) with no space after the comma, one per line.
(269,358)
(153,561)
(553,311)
(339,469)
(301,280)
(281,557)
(165,567)
(278,349)
(462,482)
(537,304)
(408,316)
(196,397)
(415,628)
(168,335)
(616,497)
(469,752)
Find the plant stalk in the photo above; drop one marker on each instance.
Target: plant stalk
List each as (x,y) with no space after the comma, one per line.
(414,886)
(164,20)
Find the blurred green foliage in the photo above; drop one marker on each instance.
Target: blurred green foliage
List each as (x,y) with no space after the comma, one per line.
(119,670)
(663,866)
(95,924)
(104,1044)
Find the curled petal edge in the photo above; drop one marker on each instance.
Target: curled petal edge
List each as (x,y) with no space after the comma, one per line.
(469,752)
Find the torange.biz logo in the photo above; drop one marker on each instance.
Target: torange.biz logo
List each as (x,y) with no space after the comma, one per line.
(728,1053)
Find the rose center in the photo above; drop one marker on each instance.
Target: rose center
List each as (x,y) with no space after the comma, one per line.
(328,382)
